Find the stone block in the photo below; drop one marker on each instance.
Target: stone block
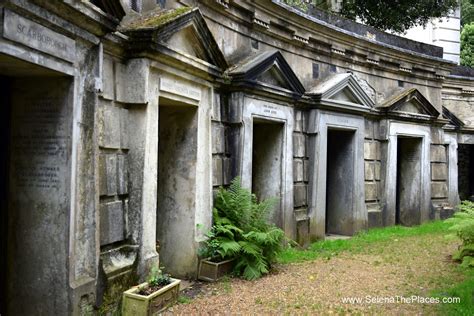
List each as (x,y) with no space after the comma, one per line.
(446,212)
(438,153)
(438,171)
(102,175)
(370,150)
(124,132)
(111,222)
(370,191)
(111,174)
(108,79)
(374,215)
(218,138)
(109,127)
(298,170)
(299,195)
(227,173)
(122,174)
(217,171)
(216,108)
(439,190)
(306,170)
(377,132)
(377,167)
(369,129)
(298,127)
(299,145)
(302,227)
(132,81)
(437,135)
(369,171)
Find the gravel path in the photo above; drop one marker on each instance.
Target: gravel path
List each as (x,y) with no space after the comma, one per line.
(404,267)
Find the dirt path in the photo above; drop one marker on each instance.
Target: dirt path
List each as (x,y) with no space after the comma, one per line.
(404,267)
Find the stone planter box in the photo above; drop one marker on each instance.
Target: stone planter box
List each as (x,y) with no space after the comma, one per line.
(212,271)
(136,304)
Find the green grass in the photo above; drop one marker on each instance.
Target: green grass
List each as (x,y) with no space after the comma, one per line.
(184,299)
(329,248)
(463,290)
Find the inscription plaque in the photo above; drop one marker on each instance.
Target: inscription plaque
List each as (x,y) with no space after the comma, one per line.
(34,35)
(180,88)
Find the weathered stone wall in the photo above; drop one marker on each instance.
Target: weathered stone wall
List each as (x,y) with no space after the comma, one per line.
(314,54)
(301,175)
(105,223)
(221,151)
(439,173)
(118,256)
(372,172)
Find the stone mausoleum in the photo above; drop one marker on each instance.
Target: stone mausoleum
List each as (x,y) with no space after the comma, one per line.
(120,119)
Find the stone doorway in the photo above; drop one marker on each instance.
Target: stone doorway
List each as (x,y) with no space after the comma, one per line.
(176,206)
(35,116)
(340,182)
(408,187)
(466,171)
(267,156)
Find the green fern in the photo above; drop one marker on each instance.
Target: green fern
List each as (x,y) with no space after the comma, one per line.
(463,227)
(241,229)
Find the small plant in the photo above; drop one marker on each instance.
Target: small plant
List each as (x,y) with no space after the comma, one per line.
(158,278)
(463,227)
(242,230)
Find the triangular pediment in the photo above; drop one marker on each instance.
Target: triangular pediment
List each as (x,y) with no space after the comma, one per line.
(345,95)
(342,90)
(187,41)
(453,119)
(181,30)
(412,106)
(411,102)
(274,77)
(267,70)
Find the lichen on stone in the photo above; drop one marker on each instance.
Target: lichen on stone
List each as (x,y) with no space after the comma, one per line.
(157,19)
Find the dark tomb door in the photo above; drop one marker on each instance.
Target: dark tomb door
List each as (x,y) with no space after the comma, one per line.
(408,207)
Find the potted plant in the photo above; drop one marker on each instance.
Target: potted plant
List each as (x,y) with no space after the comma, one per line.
(217,253)
(240,230)
(153,296)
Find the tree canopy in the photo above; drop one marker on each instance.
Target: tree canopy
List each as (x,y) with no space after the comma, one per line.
(467,45)
(393,15)
(467,12)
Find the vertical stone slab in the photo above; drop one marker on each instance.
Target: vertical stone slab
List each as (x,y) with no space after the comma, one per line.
(112,224)
(218,139)
(102,175)
(109,127)
(122,174)
(39,198)
(124,132)
(111,174)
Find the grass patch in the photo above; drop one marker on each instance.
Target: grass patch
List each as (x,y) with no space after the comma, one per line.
(182,299)
(328,248)
(463,290)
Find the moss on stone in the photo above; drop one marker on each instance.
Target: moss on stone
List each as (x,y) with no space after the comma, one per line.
(158,19)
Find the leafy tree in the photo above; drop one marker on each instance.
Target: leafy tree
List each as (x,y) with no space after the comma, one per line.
(394,15)
(467,45)
(467,12)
